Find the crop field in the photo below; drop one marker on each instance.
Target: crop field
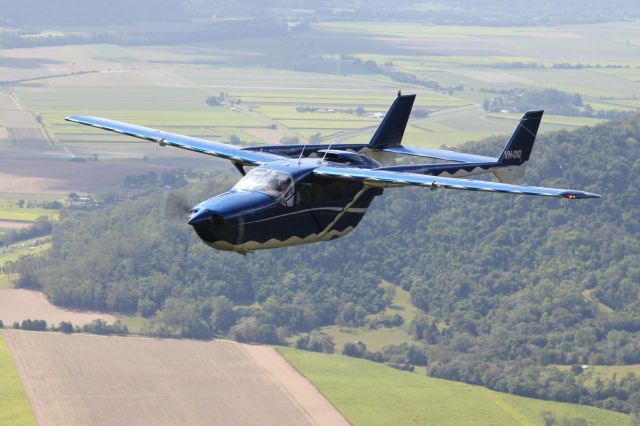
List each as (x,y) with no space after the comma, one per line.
(19,305)
(75,379)
(25,214)
(15,409)
(169,91)
(368,393)
(478,57)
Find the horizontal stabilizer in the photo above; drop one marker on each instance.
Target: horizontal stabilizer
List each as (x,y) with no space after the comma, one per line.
(440,154)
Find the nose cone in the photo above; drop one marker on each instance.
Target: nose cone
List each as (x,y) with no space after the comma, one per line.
(220,218)
(202,216)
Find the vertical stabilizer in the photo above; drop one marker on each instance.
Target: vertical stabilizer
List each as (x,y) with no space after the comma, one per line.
(515,156)
(391,129)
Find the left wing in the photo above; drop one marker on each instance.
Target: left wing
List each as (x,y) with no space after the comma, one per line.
(217,149)
(384,178)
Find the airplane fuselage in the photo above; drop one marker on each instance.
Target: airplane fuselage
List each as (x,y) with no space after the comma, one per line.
(258,214)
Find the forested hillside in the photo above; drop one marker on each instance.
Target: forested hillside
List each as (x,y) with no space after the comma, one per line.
(507,286)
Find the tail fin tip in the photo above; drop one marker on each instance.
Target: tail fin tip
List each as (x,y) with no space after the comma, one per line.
(515,155)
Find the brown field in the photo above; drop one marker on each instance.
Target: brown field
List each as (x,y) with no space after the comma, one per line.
(13,224)
(23,128)
(61,177)
(270,136)
(86,379)
(18,305)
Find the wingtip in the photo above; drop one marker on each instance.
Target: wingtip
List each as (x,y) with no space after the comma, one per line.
(577,195)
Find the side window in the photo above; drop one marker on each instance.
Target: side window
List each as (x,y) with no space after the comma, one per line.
(334,191)
(304,196)
(325,192)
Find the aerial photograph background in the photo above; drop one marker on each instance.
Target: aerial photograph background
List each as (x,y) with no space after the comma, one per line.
(441,307)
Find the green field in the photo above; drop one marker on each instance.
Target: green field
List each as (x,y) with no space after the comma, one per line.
(25,215)
(367,393)
(16,252)
(15,408)
(376,338)
(135,323)
(5,283)
(605,372)
(170,93)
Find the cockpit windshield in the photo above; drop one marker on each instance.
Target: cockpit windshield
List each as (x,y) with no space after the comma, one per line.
(274,183)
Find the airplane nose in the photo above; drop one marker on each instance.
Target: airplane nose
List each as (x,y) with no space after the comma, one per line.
(200,217)
(204,216)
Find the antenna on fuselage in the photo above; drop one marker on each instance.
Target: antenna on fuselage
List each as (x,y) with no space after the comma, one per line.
(301,152)
(325,153)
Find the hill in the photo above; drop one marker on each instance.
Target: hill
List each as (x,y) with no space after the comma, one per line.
(368,393)
(505,287)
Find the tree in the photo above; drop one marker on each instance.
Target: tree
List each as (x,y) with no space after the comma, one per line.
(222,314)
(355,349)
(65,327)
(289,140)
(316,138)
(213,101)
(319,342)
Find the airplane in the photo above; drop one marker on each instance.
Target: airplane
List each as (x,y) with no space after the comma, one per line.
(306,193)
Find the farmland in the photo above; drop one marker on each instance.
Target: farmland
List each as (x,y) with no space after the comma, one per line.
(167,87)
(14,406)
(17,305)
(75,379)
(372,394)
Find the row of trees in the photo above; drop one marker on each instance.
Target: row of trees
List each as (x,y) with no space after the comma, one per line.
(551,100)
(98,326)
(40,227)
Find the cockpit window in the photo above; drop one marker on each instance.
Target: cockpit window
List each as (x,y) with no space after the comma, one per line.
(274,183)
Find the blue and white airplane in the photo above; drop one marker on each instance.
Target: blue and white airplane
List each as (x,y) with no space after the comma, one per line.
(298,194)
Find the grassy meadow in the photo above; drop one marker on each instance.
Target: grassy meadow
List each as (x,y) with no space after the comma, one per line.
(377,338)
(367,393)
(605,372)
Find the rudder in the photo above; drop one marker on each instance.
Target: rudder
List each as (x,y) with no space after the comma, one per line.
(391,130)
(513,160)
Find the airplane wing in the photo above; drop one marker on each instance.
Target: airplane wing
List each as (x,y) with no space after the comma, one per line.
(217,149)
(440,154)
(383,178)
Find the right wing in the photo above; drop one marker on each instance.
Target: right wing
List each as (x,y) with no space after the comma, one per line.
(384,178)
(217,149)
